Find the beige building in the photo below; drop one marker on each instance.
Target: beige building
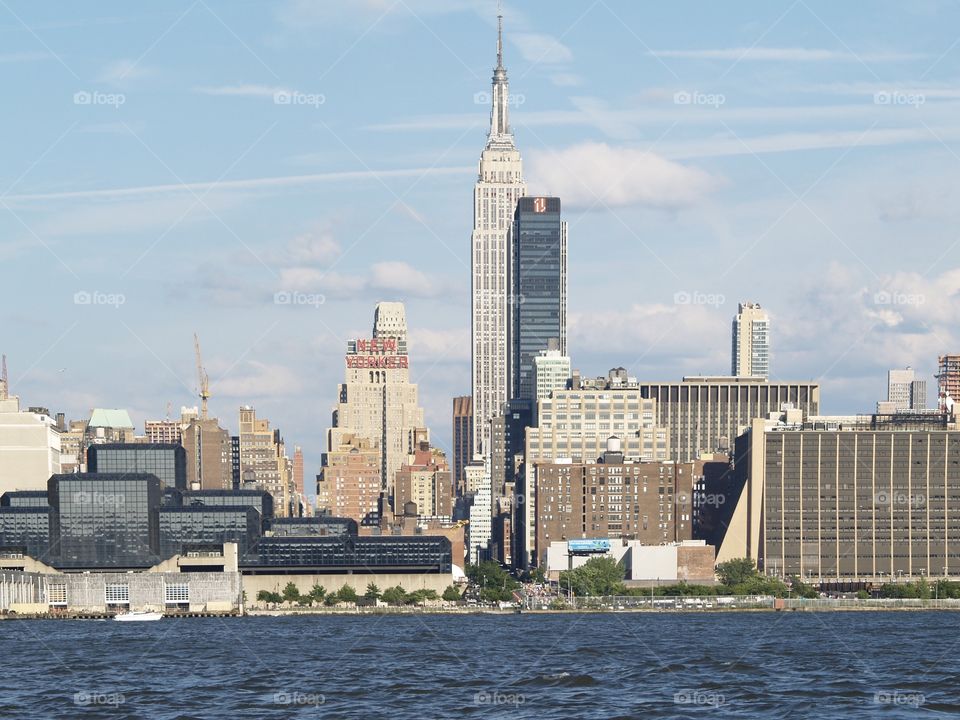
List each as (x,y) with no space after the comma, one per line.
(751,342)
(263,460)
(425,480)
(349,484)
(377,401)
(29,447)
(209,449)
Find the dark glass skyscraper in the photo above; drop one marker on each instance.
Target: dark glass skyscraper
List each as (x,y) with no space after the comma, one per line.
(537,282)
(167,461)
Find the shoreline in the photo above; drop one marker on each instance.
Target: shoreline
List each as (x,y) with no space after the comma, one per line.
(862,606)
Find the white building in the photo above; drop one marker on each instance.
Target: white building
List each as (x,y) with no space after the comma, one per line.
(904,392)
(499,186)
(551,372)
(377,401)
(751,342)
(480,527)
(29,447)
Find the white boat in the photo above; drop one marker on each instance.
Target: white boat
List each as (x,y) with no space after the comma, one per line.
(137,616)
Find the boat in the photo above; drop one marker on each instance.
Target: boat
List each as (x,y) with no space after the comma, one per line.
(137,616)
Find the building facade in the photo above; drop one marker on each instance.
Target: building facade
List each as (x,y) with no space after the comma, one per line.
(537,282)
(425,481)
(29,447)
(263,459)
(551,371)
(462,438)
(847,506)
(377,401)
(350,484)
(499,186)
(905,392)
(613,498)
(209,451)
(167,461)
(751,342)
(948,381)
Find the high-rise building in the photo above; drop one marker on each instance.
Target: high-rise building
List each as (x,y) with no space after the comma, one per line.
(551,370)
(298,470)
(349,484)
(462,439)
(537,285)
(861,504)
(948,381)
(904,392)
(611,497)
(162,431)
(377,401)
(425,481)
(209,454)
(167,461)
(751,342)
(499,186)
(29,447)
(262,453)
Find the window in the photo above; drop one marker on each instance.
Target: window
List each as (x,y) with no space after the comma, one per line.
(57,594)
(176,593)
(117,594)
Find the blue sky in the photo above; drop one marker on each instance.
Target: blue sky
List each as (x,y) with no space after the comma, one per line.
(803,155)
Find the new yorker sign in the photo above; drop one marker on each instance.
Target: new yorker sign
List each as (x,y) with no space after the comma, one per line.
(375,354)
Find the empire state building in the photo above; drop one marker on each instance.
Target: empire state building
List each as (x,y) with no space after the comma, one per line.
(499,186)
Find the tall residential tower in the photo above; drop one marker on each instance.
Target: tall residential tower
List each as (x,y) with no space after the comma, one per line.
(499,186)
(751,342)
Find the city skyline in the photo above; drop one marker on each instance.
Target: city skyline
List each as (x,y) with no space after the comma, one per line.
(94,187)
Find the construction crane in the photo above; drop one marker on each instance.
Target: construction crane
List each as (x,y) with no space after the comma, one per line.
(202,379)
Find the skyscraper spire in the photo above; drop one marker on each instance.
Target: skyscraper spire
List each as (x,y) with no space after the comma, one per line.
(500,98)
(499,42)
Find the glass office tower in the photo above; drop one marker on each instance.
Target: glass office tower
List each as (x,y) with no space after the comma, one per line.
(167,461)
(105,520)
(537,280)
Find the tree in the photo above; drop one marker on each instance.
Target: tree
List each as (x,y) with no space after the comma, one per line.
(736,571)
(373,592)
(394,596)
(801,589)
(317,593)
(451,594)
(291,593)
(598,576)
(269,597)
(495,583)
(347,594)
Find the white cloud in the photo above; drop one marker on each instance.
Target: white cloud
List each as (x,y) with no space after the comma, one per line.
(537,48)
(784,54)
(398,276)
(317,246)
(566,80)
(258,379)
(20,57)
(440,345)
(590,173)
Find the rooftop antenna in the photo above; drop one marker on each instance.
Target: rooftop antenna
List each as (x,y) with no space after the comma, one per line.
(4,387)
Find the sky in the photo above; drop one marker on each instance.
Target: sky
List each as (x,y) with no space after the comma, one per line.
(262,173)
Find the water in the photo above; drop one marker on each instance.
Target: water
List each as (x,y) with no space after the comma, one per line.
(622,665)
